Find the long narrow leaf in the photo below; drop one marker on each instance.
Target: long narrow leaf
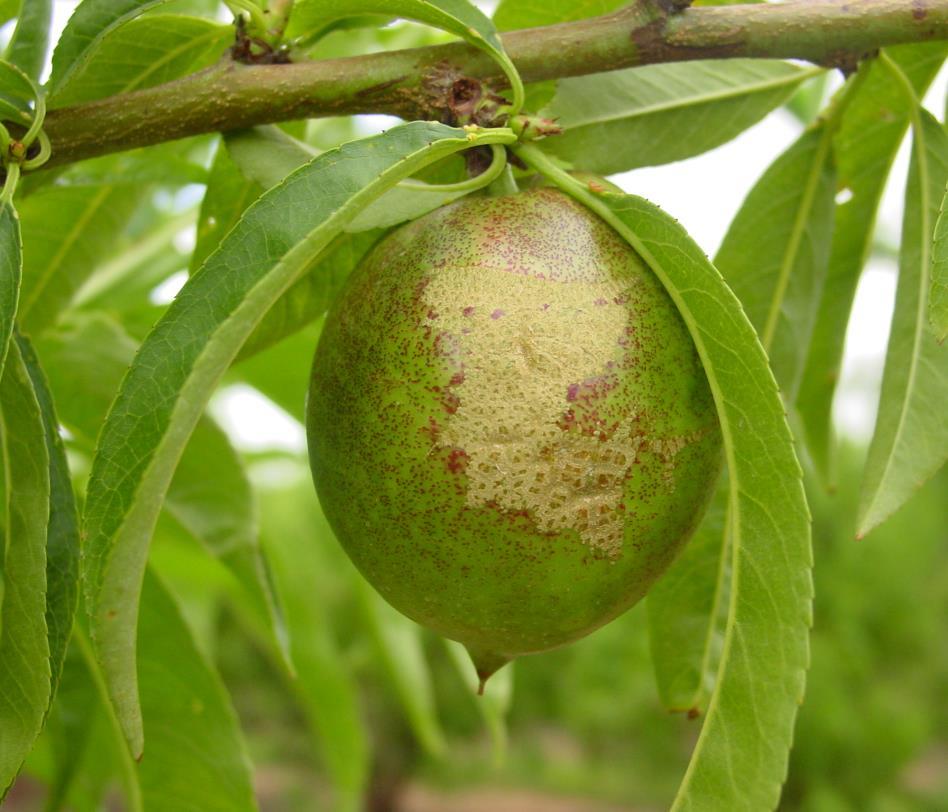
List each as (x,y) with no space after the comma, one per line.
(144,52)
(656,114)
(11,262)
(67,232)
(209,494)
(687,613)
(189,350)
(865,146)
(87,26)
(30,40)
(910,442)
(740,759)
(938,301)
(24,647)
(775,253)
(62,535)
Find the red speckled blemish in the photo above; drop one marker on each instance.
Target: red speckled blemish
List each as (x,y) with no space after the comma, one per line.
(497,314)
(457,460)
(600,302)
(450,402)
(457,378)
(572,392)
(468,311)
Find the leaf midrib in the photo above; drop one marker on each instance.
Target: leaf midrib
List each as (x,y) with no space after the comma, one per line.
(796,237)
(695,101)
(923,279)
(67,244)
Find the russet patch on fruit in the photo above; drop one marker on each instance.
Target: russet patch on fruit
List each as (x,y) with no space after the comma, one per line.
(509,427)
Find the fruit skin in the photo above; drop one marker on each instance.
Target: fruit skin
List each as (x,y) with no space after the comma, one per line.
(510,430)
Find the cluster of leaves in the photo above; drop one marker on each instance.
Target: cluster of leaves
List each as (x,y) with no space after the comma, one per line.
(280,224)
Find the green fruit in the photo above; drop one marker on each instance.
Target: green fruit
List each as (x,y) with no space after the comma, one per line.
(509,427)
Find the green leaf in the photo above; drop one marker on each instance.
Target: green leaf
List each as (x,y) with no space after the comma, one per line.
(16,94)
(938,298)
(11,261)
(196,758)
(62,532)
(687,613)
(144,52)
(740,759)
(67,232)
(495,702)
(257,159)
(87,26)
(211,498)
(229,193)
(266,155)
(181,361)
(865,146)
(399,644)
(30,41)
(310,297)
(774,255)
(459,17)
(297,537)
(209,495)
(661,113)
(24,647)
(513,14)
(8,10)
(910,442)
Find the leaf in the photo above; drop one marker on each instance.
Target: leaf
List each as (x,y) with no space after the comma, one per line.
(87,27)
(229,193)
(295,533)
(196,758)
(399,645)
(513,14)
(62,532)
(740,759)
(910,441)
(494,704)
(11,261)
(687,613)
(257,159)
(266,155)
(310,297)
(775,253)
(459,17)
(865,146)
(144,52)
(657,114)
(181,361)
(209,494)
(30,41)
(24,647)
(211,498)
(16,94)
(67,232)
(938,297)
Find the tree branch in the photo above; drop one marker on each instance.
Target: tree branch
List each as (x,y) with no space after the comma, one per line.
(417,83)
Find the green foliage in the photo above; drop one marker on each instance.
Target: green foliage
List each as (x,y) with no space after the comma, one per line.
(662,113)
(910,442)
(774,255)
(24,642)
(223,636)
(769,522)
